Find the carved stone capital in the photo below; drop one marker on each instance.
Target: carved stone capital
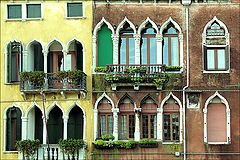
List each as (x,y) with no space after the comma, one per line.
(159,37)
(180,37)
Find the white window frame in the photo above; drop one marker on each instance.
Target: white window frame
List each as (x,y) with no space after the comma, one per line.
(24,12)
(227,53)
(79,17)
(224,101)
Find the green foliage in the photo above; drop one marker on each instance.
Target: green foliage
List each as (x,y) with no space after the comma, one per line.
(108,137)
(159,82)
(70,145)
(35,77)
(101,69)
(125,144)
(75,76)
(101,144)
(173,68)
(147,141)
(27,146)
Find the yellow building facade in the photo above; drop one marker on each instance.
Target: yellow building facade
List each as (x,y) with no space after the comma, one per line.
(51,37)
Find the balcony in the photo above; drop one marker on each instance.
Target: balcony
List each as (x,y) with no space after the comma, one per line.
(33,82)
(136,75)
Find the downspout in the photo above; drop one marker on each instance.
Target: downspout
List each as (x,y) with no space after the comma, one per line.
(184,88)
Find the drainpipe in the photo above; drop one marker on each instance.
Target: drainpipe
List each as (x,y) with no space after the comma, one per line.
(184,89)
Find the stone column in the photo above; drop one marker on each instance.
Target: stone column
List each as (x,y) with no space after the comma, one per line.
(181,125)
(4,132)
(25,61)
(94,50)
(45,54)
(44,130)
(137,125)
(159,124)
(65,123)
(181,49)
(159,39)
(64,59)
(205,124)
(115,122)
(95,118)
(115,39)
(24,127)
(137,38)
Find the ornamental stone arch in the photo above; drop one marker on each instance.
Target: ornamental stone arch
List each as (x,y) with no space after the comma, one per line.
(205,110)
(31,107)
(147,97)
(70,42)
(99,25)
(46,50)
(143,25)
(121,24)
(55,104)
(31,42)
(176,25)
(126,95)
(104,95)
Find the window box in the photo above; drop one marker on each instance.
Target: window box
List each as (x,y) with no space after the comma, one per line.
(146,143)
(173,68)
(125,144)
(100,144)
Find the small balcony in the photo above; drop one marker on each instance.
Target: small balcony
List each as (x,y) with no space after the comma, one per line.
(35,82)
(136,75)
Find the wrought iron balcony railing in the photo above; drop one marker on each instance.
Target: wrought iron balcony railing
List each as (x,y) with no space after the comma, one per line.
(53,83)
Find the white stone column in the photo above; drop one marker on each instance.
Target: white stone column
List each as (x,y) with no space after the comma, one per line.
(94,50)
(205,125)
(137,125)
(44,130)
(115,122)
(65,123)
(228,125)
(64,59)
(115,39)
(181,125)
(181,49)
(159,39)
(25,62)
(159,124)
(24,127)
(45,54)
(4,132)
(95,120)
(137,38)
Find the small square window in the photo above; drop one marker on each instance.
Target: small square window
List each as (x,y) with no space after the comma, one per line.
(74,10)
(34,11)
(14,11)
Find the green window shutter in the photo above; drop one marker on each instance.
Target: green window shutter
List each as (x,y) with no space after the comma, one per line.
(74,10)
(105,47)
(14,11)
(34,11)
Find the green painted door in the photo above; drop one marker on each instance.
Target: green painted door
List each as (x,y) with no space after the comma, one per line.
(75,124)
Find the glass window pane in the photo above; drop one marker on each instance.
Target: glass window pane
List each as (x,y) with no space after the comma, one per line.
(124,127)
(175,127)
(210,59)
(14,11)
(68,62)
(165,50)
(144,51)
(110,124)
(14,67)
(131,51)
(33,11)
(145,126)
(167,131)
(153,126)
(131,126)
(123,51)
(75,10)
(153,51)
(174,50)
(102,125)
(221,58)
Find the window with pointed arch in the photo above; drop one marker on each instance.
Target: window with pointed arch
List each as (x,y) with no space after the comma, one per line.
(105,118)
(126,45)
(148,45)
(215,49)
(126,119)
(14,61)
(149,119)
(14,127)
(171,121)
(171,51)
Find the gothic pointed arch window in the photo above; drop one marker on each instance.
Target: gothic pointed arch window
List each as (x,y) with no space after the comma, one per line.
(148,45)
(216,46)
(171,52)
(126,45)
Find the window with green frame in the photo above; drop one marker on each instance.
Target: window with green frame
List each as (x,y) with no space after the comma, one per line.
(74,10)
(33,10)
(14,11)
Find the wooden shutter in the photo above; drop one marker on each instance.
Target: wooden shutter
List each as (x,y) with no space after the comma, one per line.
(38,133)
(227,58)
(216,123)
(75,124)
(205,57)
(9,65)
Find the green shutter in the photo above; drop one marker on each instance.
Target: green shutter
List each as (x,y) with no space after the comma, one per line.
(19,125)
(9,65)
(75,124)
(38,125)
(14,11)
(105,47)
(34,11)
(9,133)
(75,10)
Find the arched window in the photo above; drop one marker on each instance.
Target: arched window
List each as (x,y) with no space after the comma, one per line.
(75,124)
(171,120)
(55,125)
(126,119)
(14,61)
(126,45)
(149,119)
(14,127)
(105,121)
(216,46)
(104,46)
(35,57)
(171,54)
(74,58)
(148,45)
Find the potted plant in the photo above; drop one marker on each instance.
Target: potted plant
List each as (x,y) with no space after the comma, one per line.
(148,143)
(108,137)
(36,78)
(27,147)
(159,82)
(101,144)
(125,144)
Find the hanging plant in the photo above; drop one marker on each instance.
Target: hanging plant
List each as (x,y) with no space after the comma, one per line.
(27,147)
